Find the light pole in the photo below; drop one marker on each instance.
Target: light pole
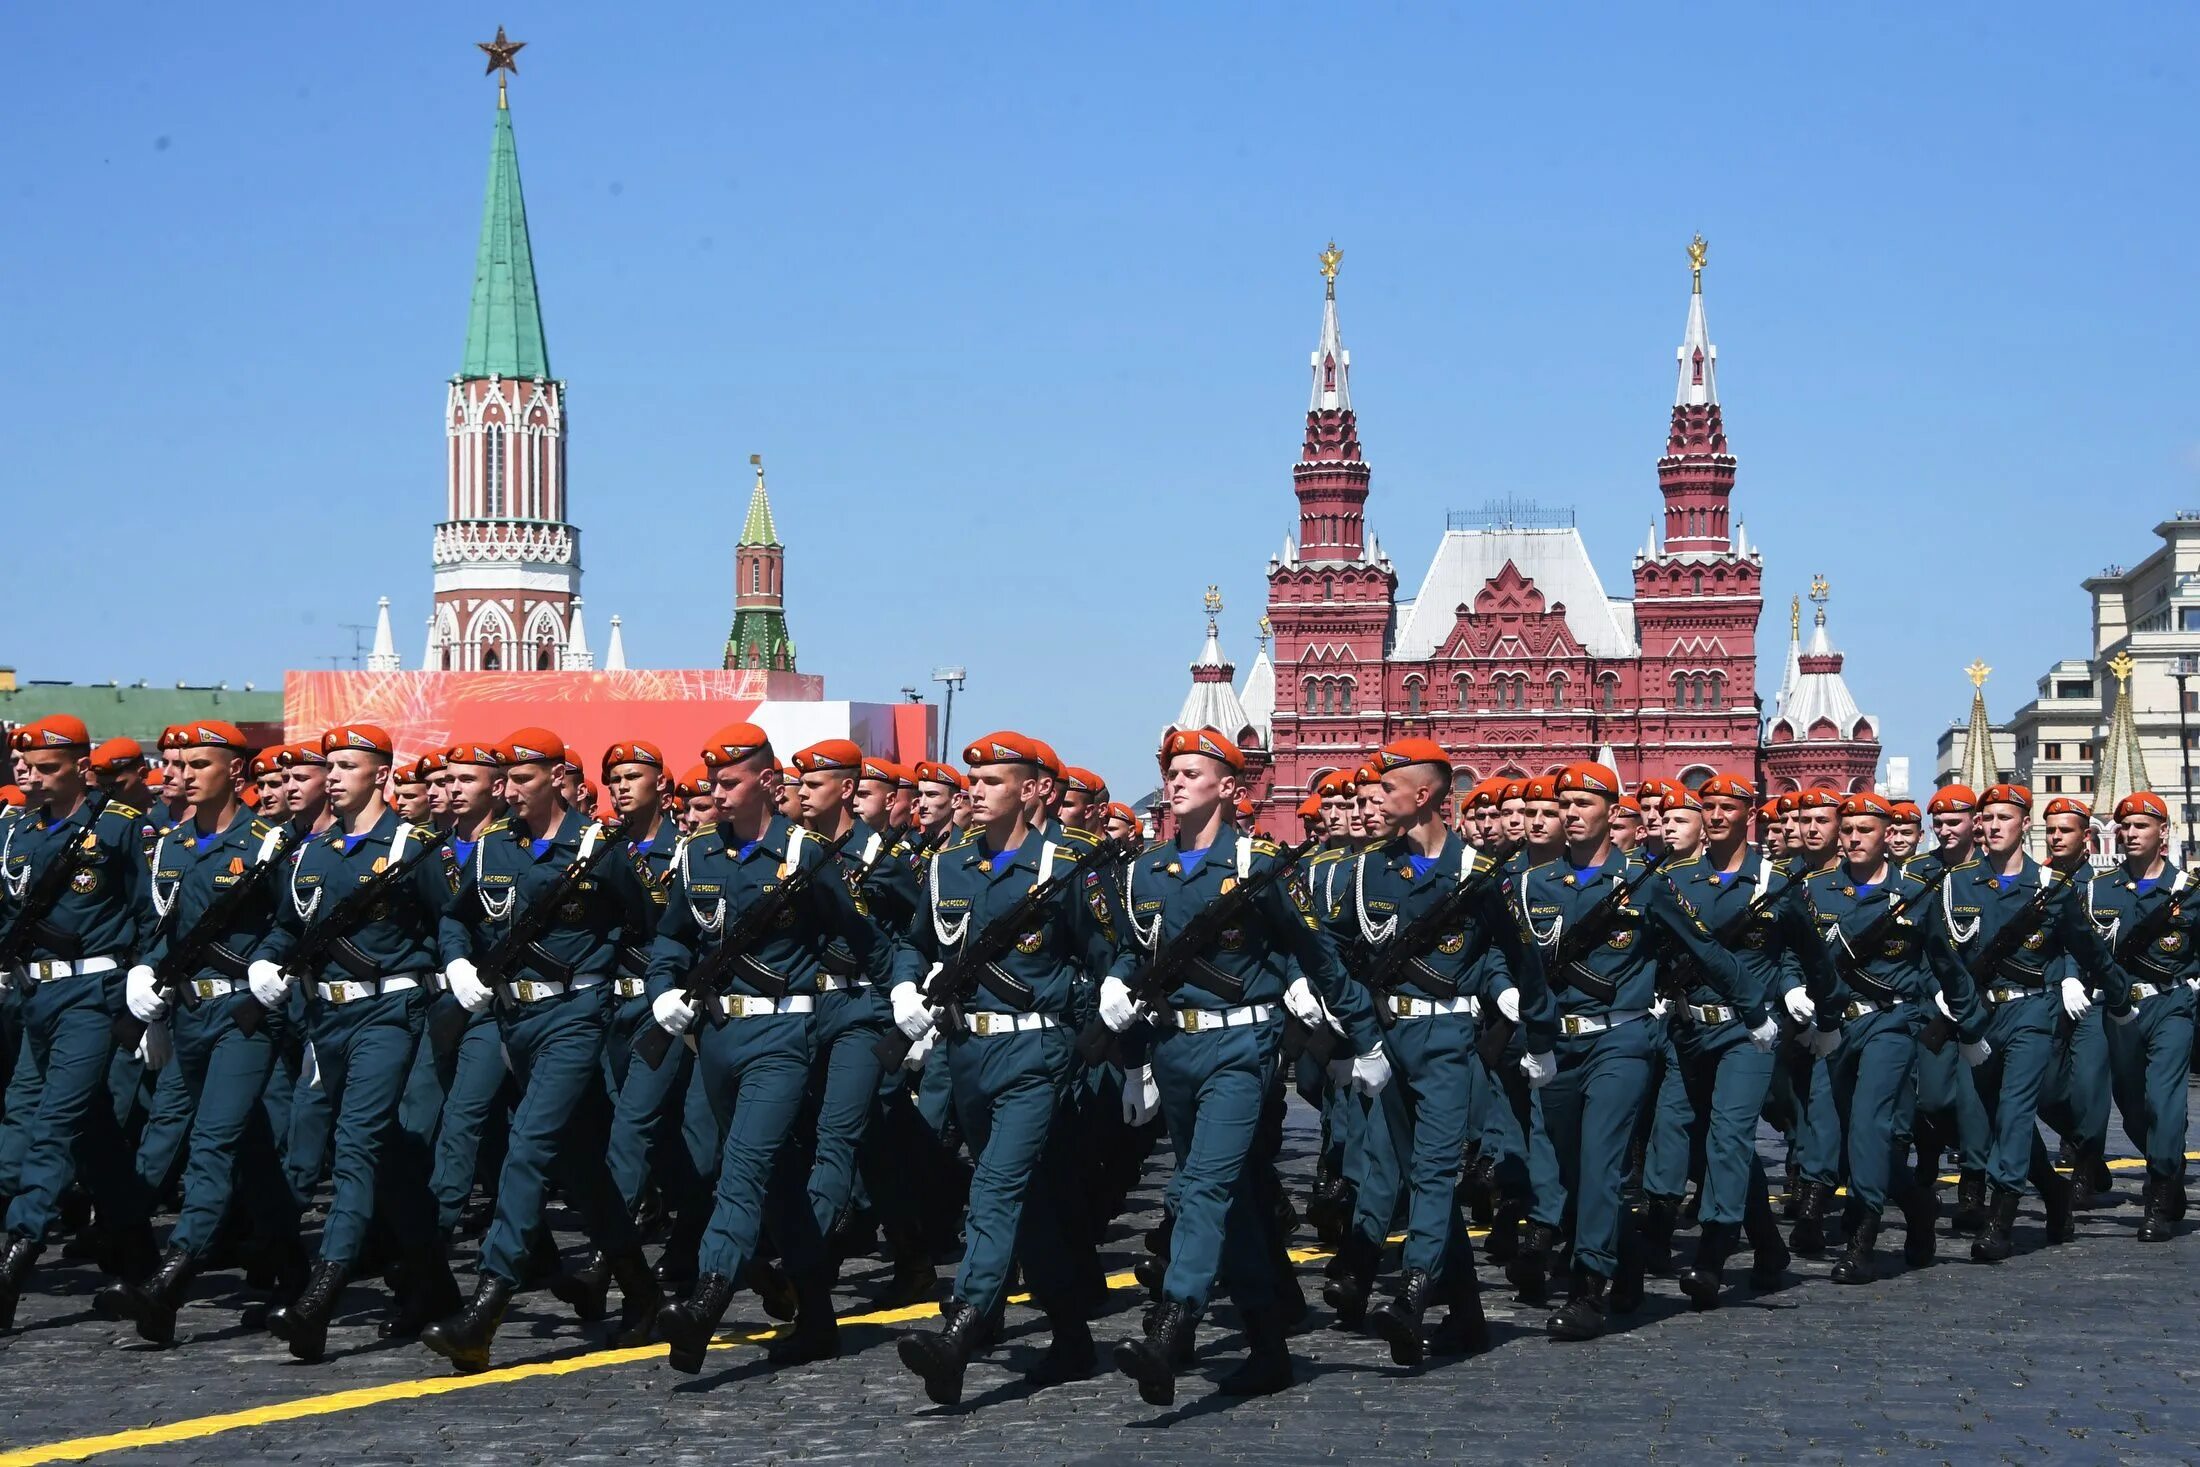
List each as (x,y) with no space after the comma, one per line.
(2182,669)
(952,678)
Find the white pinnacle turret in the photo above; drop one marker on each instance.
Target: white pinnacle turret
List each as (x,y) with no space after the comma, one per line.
(1698,358)
(384,656)
(1332,363)
(614,659)
(577,656)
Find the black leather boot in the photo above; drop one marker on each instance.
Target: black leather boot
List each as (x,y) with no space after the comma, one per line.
(1920,1210)
(914,1280)
(1996,1241)
(1503,1244)
(426,1294)
(688,1325)
(587,1288)
(1809,1235)
(2089,1179)
(1266,1368)
(1465,1329)
(1347,1291)
(1070,1355)
(303,1323)
(1768,1251)
(152,1304)
(2157,1224)
(1152,1360)
(816,1334)
(1150,1273)
(641,1298)
(1855,1264)
(1157,1237)
(940,1356)
(774,1288)
(1970,1213)
(2057,1196)
(15,1266)
(1581,1317)
(1654,1224)
(1530,1272)
(1397,1320)
(1702,1280)
(464,1338)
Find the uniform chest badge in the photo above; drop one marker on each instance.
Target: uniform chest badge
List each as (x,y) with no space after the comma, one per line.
(1895,948)
(1621,940)
(1233,938)
(236,865)
(786,869)
(2036,940)
(1174,869)
(381,864)
(84,883)
(2171,942)
(1229,884)
(1454,943)
(91,840)
(1030,942)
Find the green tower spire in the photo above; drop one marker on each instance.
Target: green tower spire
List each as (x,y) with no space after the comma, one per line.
(504,326)
(759,637)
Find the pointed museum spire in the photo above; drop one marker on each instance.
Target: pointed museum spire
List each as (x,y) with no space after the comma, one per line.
(577,657)
(1212,702)
(1332,363)
(614,657)
(1979,767)
(383,657)
(1699,359)
(2122,769)
(759,637)
(1331,477)
(1696,474)
(504,326)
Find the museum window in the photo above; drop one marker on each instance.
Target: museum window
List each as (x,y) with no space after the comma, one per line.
(492,471)
(1413,697)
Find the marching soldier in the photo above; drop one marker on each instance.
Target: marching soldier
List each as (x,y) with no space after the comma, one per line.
(367,1000)
(1008,1046)
(754,1062)
(2075,1099)
(550,1002)
(1219,1027)
(72,869)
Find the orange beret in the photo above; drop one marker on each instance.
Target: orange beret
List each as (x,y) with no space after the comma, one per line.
(885,771)
(632,751)
(1769,810)
(1244,807)
(1484,794)
(411,771)
(839,756)
(1310,808)
(1654,788)
(1049,761)
(113,752)
(265,762)
(1907,813)
(213,734)
(947,774)
(1681,797)
(362,736)
(534,746)
(2065,805)
(2144,802)
(1543,787)
(694,782)
(434,761)
(1790,802)
(1118,808)
(1399,753)
(1078,778)
(54,731)
(1590,777)
(1817,799)
(2006,794)
(1632,804)
(1207,741)
(291,756)
(10,795)
(1728,786)
(734,743)
(1952,798)
(476,753)
(1867,802)
(1511,790)
(1003,746)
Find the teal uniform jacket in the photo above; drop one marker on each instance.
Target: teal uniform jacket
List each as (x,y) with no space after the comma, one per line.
(2116,907)
(1906,964)
(400,937)
(104,911)
(1978,905)
(651,857)
(508,872)
(1055,962)
(1480,958)
(190,871)
(1619,974)
(1252,964)
(1765,947)
(714,882)
(887,893)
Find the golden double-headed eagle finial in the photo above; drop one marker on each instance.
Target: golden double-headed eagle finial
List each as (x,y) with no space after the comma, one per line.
(1330,258)
(1214,600)
(2123,665)
(1977,672)
(1820,589)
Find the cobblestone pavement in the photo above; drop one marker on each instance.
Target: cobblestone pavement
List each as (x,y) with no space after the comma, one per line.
(2079,1353)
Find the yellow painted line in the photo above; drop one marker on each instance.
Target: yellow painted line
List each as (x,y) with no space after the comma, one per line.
(197,1428)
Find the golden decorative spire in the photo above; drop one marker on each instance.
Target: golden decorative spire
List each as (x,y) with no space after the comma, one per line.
(1979,767)
(2121,665)
(1214,600)
(502,57)
(1820,590)
(1795,618)
(1978,672)
(1330,258)
(1698,252)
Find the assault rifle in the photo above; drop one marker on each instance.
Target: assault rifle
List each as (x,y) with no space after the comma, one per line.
(953,980)
(188,953)
(332,933)
(28,921)
(706,985)
(1679,976)
(1184,955)
(1406,950)
(1986,962)
(1846,962)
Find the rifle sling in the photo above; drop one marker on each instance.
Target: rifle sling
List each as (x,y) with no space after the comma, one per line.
(1017,995)
(1226,986)
(59,941)
(224,961)
(539,958)
(345,954)
(761,976)
(1577,977)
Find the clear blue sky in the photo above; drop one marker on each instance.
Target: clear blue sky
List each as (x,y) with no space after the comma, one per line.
(1016,303)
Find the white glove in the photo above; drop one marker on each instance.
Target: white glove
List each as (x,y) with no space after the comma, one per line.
(1940,1001)
(1765,1035)
(144,999)
(1822,1042)
(2076,1001)
(155,1048)
(672,1011)
(464,979)
(1141,1096)
(1660,1007)
(921,1050)
(1508,1004)
(1976,1053)
(1371,1071)
(1116,1009)
(911,1016)
(269,984)
(1799,1006)
(1541,1069)
(1300,1002)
